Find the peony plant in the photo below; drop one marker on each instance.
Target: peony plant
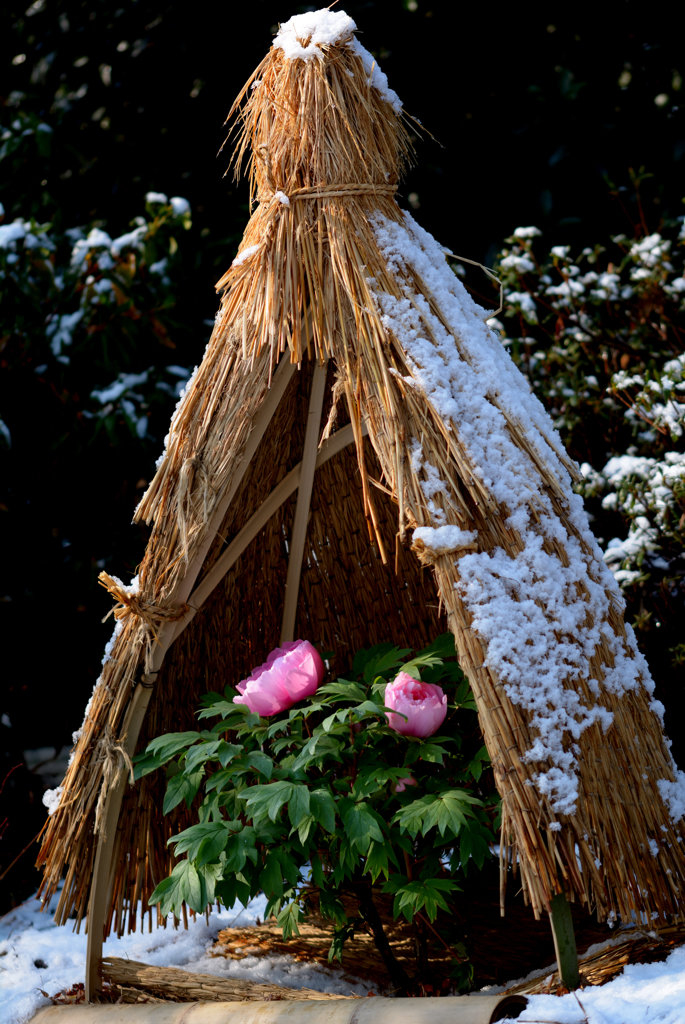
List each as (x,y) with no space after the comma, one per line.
(329,795)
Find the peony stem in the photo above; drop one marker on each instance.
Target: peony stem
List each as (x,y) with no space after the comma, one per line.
(398,976)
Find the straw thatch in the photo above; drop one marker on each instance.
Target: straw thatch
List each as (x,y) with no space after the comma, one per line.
(350,375)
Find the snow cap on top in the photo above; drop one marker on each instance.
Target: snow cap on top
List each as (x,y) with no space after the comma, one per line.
(324,28)
(321,28)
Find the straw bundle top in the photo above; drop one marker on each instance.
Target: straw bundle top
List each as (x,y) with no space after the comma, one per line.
(316,124)
(317,114)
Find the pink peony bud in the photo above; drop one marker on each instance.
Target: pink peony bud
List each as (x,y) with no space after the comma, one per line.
(402,784)
(290,673)
(424,704)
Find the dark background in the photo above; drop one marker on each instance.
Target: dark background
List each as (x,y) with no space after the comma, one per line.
(537,113)
(533,115)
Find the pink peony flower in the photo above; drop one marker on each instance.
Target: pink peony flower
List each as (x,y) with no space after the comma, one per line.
(402,784)
(289,674)
(424,704)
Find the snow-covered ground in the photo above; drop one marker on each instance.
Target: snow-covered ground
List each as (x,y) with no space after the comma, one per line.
(38,959)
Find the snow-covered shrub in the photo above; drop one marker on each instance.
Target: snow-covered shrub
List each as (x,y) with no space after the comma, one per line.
(94,332)
(86,312)
(599,334)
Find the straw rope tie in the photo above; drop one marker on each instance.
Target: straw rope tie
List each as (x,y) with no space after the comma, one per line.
(116,762)
(153,615)
(355,188)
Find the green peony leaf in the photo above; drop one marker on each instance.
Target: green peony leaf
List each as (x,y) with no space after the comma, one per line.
(298,805)
(262,762)
(361,826)
(266,801)
(181,787)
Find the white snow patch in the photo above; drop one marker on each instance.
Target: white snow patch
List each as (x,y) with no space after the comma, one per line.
(122,384)
(96,239)
(442,539)
(130,240)
(180,206)
(51,798)
(304,34)
(248,251)
(60,331)
(12,233)
(673,795)
(375,77)
(527,232)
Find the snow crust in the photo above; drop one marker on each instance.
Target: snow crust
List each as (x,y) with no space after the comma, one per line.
(375,77)
(537,630)
(673,794)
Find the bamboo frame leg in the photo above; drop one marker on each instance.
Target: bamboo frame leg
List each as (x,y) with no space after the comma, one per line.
(564,941)
(102,881)
(101,884)
(304,497)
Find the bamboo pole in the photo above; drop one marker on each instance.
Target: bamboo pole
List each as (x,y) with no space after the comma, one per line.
(564,941)
(304,497)
(102,882)
(376,1010)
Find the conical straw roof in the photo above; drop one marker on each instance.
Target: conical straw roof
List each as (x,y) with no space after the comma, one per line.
(353,395)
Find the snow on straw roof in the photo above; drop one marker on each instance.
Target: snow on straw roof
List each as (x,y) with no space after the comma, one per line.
(522,602)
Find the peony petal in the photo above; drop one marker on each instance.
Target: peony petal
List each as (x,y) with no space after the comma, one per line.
(402,784)
(291,672)
(423,704)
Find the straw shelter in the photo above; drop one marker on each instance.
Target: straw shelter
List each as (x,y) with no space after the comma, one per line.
(357,459)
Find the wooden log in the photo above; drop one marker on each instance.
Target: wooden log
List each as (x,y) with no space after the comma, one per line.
(175,984)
